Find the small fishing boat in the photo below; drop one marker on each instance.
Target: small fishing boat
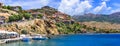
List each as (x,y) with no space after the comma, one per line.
(25,38)
(39,37)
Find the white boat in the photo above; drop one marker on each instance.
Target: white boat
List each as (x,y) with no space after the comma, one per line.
(25,38)
(39,37)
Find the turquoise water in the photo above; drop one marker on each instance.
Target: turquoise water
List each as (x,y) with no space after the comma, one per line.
(74,40)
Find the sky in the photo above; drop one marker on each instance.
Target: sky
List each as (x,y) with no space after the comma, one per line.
(71,7)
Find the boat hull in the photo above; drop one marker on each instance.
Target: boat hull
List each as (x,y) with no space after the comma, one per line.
(25,39)
(39,38)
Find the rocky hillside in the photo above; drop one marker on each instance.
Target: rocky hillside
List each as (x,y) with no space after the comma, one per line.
(6,13)
(45,24)
(33,26)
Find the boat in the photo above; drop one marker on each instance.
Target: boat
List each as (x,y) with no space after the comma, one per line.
(39,37)
(25,38)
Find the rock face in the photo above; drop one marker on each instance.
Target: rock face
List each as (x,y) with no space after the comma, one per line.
(34,26)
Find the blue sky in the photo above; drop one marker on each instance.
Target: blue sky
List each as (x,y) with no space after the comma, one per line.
(72,7)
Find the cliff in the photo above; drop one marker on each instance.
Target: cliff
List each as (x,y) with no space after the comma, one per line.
(33,26)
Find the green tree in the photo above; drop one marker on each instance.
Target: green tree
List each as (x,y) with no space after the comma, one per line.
(11,18)
(20,16)
(27,15)
(15,18)
(20,9)
(24,32)
(40,16)
(5,7)
(9,7)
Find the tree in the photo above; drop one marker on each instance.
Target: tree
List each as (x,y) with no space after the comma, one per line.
(27,15)
(9,7)
(24,32)
(5,7)
(20,16)
(20,9)
(11,18)
(40,16)
(15,18)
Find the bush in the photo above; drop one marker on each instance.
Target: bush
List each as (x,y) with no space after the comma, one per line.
(20,16)
(71,28)
(11,18)
(15,18)
(40,16)
(24,32)
(27,15)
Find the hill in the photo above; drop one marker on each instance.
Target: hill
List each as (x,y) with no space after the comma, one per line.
(48,20)
(45,20)
(112,18)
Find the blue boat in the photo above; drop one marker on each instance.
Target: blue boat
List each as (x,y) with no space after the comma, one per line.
(25,39)
(38,37)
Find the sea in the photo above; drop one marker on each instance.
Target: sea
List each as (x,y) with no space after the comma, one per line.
(73,40)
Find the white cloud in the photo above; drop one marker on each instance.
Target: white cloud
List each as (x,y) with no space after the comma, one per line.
(101,8)
(71,7)
(83,7)
(28,3)
(67,6)
(74,7)
(115,10)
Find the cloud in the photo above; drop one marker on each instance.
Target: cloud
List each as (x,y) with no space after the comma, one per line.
(83,7)
(115,10)
(28,3)
(67,6)
(102,8)
(74,7)
(71,7)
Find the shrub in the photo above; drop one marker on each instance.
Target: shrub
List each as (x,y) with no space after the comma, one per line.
(27,15)
(24,32)
(40,16)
